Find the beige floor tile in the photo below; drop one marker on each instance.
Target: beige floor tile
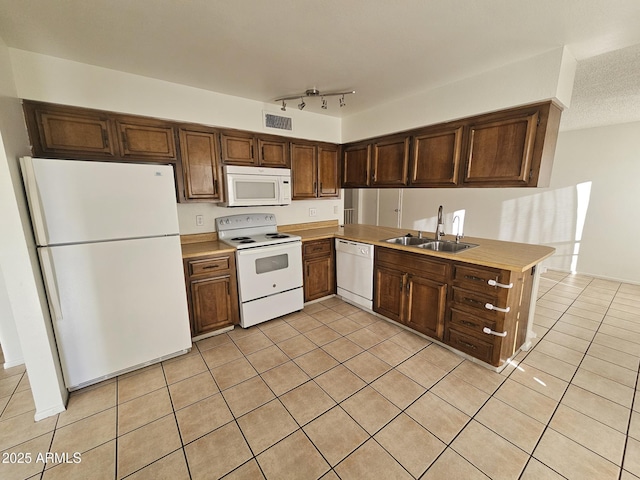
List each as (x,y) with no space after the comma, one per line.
(221,354)
(316,362)
(248,395)
(367,366)
(385,329)
(589,314)
(609,389)
(20,402)
(496,457)
(370,409)
(9,384)
(571,459)
(147,444)
(342,349)
(307,402)
(460,394)
(520,429)
(568,341)
(248,471)
(371,461)
(183,367)
(363,318)
(330,475)
(526,400)
(134,386)
(281,332)
(10,372)
(574,330)
(632,457)
(304,323)
(554,350)
(365,338)
(326,316)
(622,312)
(267,358)
(210,342)
(23,468)
(239,332)
(266,425)
(192,390)
(21,428)
(540,381)
(548,313)
(478,376)
(581,322)
(345,326)
(398,388)
(546,302)
(450,465)
(621,333)
(390,352)
(296,346)
(96,464)
(440,357)
(233,373)
(345,309)
(610,370)
(171,467)
(614,356)
(294,458)
(410,444)
(87,433)
(535,470)
(421,371)
(142,410)
(231,451)
(545,363)
(203,417)
(590,433)
(252,343)
(322,335)
(439,417)
(339,383)
(285,377)
(410,341)
(617,343)
(269,324)
(597,407)
(557,299)
(335,435)
(634,426)
(613,319)
(541,320)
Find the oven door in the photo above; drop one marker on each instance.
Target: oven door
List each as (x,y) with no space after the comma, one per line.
(265,271)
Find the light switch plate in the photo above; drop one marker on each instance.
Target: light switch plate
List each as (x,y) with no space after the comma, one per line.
(199,220)
(312,212)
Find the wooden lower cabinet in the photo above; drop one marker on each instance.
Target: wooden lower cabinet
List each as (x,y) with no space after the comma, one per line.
(318,259)
(212,293)
(411,289)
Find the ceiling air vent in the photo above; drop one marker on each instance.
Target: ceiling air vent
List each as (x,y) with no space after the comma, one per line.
(277,121)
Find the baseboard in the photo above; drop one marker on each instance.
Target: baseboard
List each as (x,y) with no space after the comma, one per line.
(593,275)
(41,414)
(13,363)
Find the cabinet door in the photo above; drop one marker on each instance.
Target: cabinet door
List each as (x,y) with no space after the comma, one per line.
(212,304)
(391,162)
(356,165)
(328,183)
(237,149)
(146,141)
(200,165)
(273,153)
(436,158)
(319,278)
(389,293)
(58,133)
(426,303)
(303,171)
(500,152)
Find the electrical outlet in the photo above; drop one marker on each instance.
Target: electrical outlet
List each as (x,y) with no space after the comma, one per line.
(312,212)
(199,220)
(335,209)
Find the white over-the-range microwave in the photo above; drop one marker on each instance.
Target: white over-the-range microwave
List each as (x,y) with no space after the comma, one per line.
(256,186)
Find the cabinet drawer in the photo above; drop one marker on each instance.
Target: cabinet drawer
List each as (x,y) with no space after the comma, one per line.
(471,322)
(469,344)
(476,303)
(318,248)
(208,266)
(413,263)
(477,278)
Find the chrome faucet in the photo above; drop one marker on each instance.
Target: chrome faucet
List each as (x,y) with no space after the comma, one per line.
(440,226)
(459,234)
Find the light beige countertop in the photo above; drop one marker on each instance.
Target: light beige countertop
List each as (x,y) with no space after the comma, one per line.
(489,253)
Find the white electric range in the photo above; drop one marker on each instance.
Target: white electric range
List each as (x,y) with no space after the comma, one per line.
(269,266)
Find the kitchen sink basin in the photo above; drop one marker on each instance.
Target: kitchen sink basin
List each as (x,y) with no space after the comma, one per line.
(408,241)
(446,246)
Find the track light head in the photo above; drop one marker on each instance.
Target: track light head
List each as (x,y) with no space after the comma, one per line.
(324,103)
(342,102)
(314,92)
(284,106)
(301,105)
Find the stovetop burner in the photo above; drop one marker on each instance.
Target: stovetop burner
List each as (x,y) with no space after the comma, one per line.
(246,240)
(277,235)
(237,239)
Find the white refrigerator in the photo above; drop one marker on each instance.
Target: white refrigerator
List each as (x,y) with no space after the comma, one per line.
(109,248)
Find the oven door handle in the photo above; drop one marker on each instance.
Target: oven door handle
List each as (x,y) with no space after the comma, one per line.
(261,251)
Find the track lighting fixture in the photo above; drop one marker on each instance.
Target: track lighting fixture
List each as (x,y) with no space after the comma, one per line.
(314,93)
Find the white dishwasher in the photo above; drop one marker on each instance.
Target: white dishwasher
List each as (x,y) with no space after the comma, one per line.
(354,272)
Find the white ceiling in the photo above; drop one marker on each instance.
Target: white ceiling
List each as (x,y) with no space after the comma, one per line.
(384,49)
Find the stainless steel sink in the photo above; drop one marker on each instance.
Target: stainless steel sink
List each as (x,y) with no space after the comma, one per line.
(408,241)
(446,246)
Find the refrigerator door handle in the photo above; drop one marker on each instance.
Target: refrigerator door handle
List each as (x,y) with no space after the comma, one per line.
(35,202)
(49,273)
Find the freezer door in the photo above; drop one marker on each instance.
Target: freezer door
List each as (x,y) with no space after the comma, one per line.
(82,201)
(115,305)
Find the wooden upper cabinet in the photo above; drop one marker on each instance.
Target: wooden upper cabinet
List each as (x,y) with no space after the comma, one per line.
(238,149)
(146,140)
(328,176)
(436,157)
(273,153)
(390,162)
(59,131)
(304,172)
(199,152)
(356,165)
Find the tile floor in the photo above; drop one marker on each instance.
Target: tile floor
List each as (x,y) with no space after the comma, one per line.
(334,392)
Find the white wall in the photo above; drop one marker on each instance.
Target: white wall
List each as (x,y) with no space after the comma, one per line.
(592,201)
(50,79)
(18,259)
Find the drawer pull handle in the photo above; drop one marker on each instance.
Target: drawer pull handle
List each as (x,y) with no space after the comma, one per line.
(488,331)
(468,345)
(493,283)
(489,306)
(474,278)
(473,300)
(207,267)
(467,323)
